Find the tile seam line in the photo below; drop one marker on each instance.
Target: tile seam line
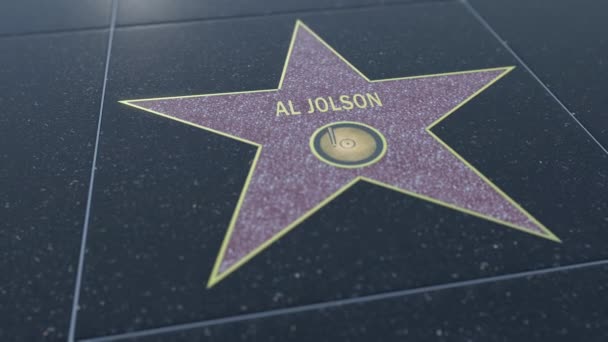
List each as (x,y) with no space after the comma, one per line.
(287,12)
(220,18)
(504,43)
(342,302)
(87,214)
(16,35)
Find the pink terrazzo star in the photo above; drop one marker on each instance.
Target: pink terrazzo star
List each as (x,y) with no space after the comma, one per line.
(287,183)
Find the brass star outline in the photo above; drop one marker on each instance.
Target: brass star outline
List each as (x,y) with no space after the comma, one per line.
(216,277)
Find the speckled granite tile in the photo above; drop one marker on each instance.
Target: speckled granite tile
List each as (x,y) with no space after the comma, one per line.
(50,91)
(166,191)
(565,45)
(33,16)
(562,306)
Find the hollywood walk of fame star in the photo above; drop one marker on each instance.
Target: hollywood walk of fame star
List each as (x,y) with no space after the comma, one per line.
(289,180)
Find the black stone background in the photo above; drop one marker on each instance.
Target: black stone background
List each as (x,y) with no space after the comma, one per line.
(164,192)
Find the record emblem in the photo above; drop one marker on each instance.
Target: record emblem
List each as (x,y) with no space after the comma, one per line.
(348,144)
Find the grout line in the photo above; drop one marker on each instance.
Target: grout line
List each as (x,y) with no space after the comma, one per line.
(87,215)
(53,32)
(341,302)
(304,11)
(504,43)
(381,4)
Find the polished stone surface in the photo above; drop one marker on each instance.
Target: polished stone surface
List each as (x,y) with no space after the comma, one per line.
(35,16)
(137,12)
(565,44)
(50,91)
(164,192)
(562,306)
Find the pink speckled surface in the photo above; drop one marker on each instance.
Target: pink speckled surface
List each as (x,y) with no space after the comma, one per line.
(289,180)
